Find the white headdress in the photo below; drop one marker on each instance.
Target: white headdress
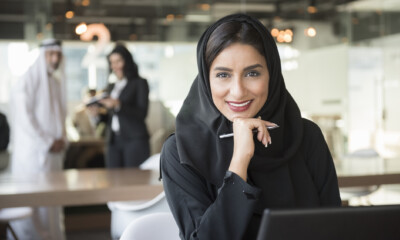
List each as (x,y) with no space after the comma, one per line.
(42,105)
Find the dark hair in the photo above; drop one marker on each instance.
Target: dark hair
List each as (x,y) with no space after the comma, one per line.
(130,70)
(232,32)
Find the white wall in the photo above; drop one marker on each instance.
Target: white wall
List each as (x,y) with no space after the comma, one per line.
(364,81)
(319,84)
(388,134)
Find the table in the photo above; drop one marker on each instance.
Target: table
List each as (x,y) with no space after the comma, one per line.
(78,187)
(368,172)
(368,180)
(98,186)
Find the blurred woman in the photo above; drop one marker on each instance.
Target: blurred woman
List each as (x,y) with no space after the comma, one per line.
(127,104)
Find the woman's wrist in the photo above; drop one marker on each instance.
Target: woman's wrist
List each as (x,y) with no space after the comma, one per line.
(239,166)
(116,105)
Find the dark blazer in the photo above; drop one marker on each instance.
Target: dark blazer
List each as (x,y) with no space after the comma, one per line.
(4,132)
(134,101)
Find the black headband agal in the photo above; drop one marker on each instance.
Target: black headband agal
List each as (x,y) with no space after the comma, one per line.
(50,43)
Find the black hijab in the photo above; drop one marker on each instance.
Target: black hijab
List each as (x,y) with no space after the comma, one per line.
(199,123)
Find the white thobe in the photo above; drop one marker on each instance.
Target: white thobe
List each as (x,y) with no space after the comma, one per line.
(39,112)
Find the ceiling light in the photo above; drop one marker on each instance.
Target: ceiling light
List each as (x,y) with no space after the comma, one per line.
(280,38)
(204,6)
(310,32)
(287,38)
(275,32)
(312,9)
(289,32)
(81,28)
(85,3)
(170,17)
(69,14)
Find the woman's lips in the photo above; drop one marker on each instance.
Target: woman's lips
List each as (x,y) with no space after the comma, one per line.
(239,106)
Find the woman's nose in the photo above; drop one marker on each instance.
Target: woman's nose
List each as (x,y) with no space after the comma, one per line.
(238,89)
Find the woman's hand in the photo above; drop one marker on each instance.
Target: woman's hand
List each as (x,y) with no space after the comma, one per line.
(110,102)
(93,110)
(243,146)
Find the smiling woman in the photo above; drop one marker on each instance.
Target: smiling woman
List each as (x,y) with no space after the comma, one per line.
(239,81)
(217,187)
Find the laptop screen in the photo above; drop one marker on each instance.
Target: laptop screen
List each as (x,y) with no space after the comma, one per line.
(344,223)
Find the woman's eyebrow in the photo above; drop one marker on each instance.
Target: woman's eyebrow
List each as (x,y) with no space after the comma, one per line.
(245,69)
(222,69)
(252,67)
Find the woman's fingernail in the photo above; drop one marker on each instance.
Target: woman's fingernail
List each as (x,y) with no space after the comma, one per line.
(266,145)
(269,140)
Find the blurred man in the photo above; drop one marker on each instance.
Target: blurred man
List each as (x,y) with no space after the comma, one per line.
(4,132)
(39,133)
(4,140)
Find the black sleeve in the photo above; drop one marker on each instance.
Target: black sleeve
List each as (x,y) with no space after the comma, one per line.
(321,165)
(200,212)
(4,132)
(136,105)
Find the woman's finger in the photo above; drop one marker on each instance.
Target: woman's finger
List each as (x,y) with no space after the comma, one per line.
(262,132)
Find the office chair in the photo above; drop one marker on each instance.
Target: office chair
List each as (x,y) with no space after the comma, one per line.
(359,162)
(11,214)
(122,213)
(153,226)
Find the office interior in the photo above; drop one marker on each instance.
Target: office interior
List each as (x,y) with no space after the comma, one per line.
(340,61)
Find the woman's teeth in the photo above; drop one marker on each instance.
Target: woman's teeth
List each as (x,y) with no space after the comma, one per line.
(239,104)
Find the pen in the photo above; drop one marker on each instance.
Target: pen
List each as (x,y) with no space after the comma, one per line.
(226,135)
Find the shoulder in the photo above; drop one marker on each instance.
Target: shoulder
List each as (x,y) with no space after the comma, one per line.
(142,82)
(28,80)
(173,170)
(313,139)
(137,80)
(169,152)
(312,132)
(315,148)
(3,120)
(169,159)
(138,83)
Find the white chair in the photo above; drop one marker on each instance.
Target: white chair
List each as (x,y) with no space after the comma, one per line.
(153,226)
(360,162)
(123,213)
(11,214)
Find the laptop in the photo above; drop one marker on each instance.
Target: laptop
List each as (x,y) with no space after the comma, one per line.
(341,223)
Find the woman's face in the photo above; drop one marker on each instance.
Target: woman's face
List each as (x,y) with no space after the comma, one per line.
(117,65)
(239,80)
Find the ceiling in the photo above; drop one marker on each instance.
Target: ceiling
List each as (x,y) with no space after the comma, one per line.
(183,20)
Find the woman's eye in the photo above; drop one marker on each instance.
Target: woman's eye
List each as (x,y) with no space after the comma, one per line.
(252,74)
(222,75)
